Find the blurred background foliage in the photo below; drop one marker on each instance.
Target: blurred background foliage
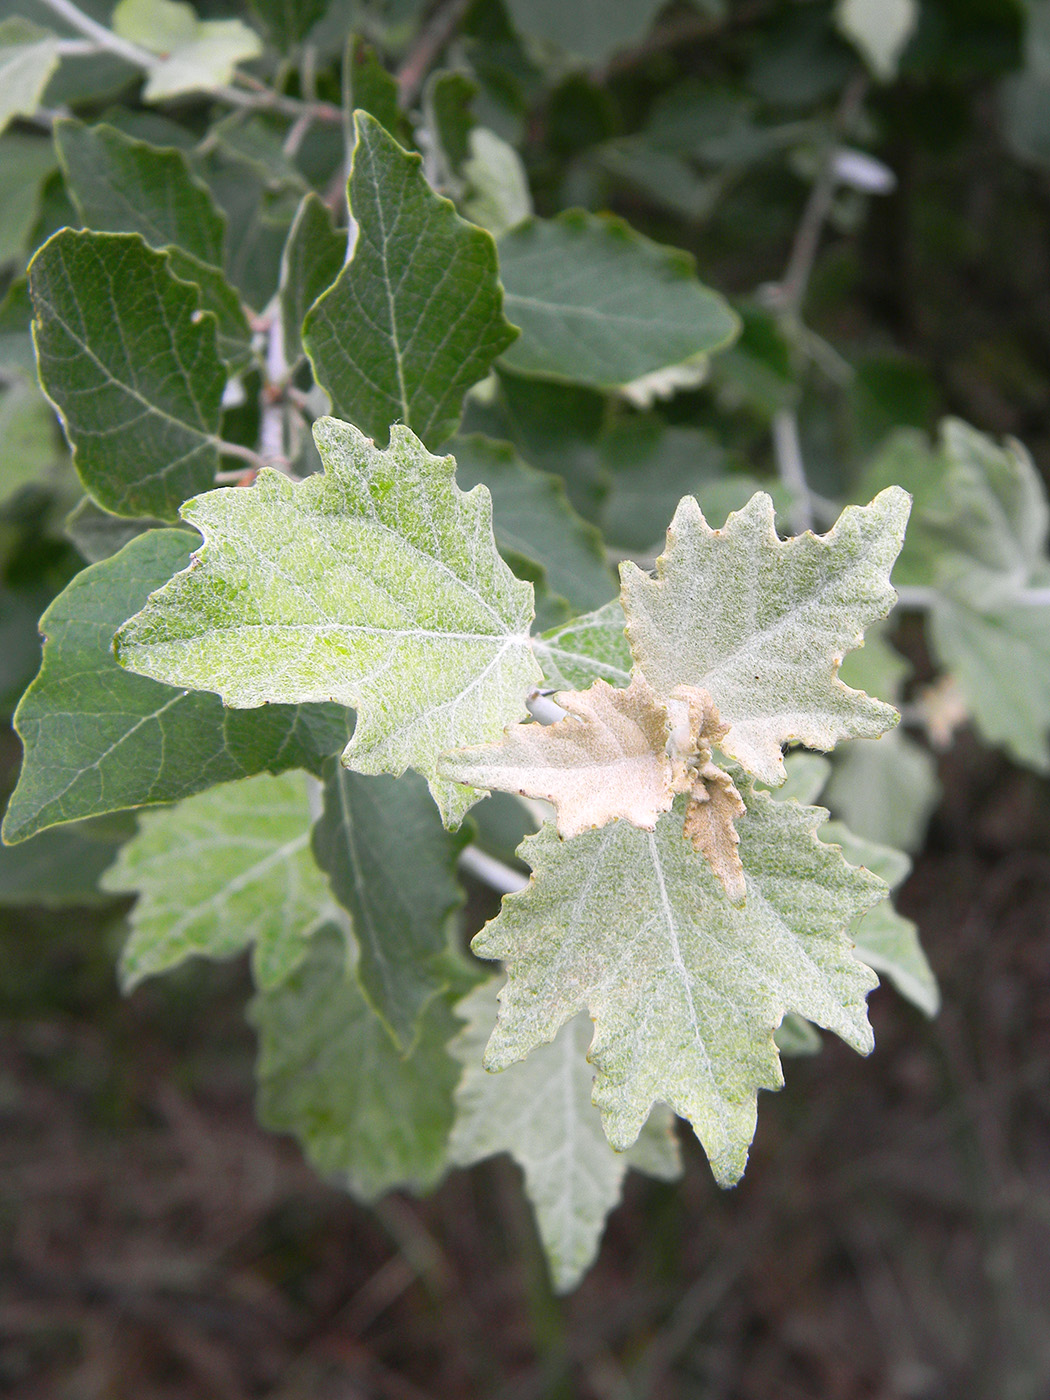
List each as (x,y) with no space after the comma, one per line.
(891,1236)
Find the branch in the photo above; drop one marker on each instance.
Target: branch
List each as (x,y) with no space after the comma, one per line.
(490,871)
(424,53)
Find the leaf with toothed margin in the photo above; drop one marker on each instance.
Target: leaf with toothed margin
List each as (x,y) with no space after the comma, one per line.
(540,1111)
(685,988)
(375,584)
(330,1073)
(762,624)
(132,366)
(416,316)
(222,871)
(98,739)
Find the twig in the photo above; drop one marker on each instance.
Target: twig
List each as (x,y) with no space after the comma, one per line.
(263,98)
(791,469)
(787,298)
(105,38)
(682,29)
(490,871)
(917,598)
(424,53)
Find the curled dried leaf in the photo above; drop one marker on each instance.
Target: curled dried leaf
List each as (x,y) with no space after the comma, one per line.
(607,759)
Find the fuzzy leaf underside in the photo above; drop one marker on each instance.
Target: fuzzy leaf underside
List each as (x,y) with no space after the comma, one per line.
(98,739)
(222,871)
(685,988)
(400,908)
(330,1073)
(375,584)
(606,760)
(540,1112)
(886,940)
(589,648)
(416,317)
(131,366)
(762,624)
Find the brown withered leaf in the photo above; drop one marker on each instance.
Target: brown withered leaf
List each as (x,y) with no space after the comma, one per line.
(607,759)
(714,802)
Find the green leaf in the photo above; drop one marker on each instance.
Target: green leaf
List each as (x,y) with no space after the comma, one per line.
(650,469)
(391,865)
(795,1036)
(989,524)
(592,647)
(807,775)
(222,871)
(599,304)
(376,584)
(313,258)
(540,1112)
(28,435)
(28,57)
(193,55)
(886,940)
(120,185)
(885,789)
(131,366)
(588,29)
(685,988)
(498,196)
(98,535)
(59,868)
(761,624)
(1001,662)
(416,316)
(25,164)
(288,21)
(879,29)
(533,519)
(446,112)
(330,1073)
(98,739)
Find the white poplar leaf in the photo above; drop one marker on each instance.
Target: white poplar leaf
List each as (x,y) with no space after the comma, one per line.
(762,624)
(685,988)
(377,581)
(540,1112)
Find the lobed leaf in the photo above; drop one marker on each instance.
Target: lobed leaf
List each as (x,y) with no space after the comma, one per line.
(222,871)
(592,647)
(761,624)
(685,988)
(540,1112)
(120,185)
(375,584)
(416,316)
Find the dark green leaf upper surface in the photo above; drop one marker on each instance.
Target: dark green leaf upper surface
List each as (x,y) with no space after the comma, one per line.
(98,739)
(313,258)
(391,864)
(416,317)
(131,366)
(599,304)
(121,185)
